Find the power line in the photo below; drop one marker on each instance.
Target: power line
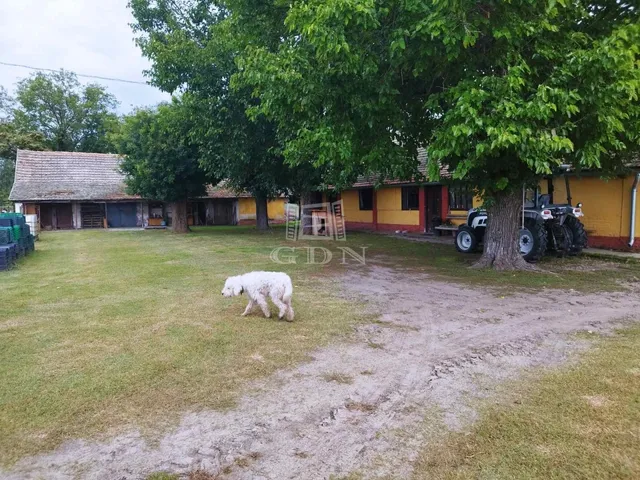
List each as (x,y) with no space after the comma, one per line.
(97,77)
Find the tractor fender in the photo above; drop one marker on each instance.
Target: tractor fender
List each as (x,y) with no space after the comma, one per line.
(478,221)
(533,215)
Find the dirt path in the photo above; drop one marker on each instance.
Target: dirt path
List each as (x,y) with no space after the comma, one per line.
(361,406)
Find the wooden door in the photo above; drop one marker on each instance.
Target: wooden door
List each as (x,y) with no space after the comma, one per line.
(223,212)
(432,211)
(56,216)
(63,216)
(46,216)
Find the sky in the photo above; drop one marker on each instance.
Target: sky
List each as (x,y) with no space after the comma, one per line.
(84,36)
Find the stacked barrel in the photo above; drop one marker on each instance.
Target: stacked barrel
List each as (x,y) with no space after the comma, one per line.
(16,239)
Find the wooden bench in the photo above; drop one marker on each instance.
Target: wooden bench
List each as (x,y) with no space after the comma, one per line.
(447,228)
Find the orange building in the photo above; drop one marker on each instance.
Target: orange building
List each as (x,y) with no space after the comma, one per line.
(434,206)
(607,207)
(247,210)
(406,205)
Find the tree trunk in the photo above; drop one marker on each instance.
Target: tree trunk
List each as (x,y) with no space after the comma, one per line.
(179,222)
(262,217)
(306,199)
(501,246)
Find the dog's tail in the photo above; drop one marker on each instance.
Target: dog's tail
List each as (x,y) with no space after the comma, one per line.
(288,292)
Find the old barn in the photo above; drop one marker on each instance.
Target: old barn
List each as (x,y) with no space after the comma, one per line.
(72,190)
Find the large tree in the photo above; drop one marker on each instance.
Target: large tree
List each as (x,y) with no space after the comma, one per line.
(161,158)
(498,92)
(6,104)
(71,117)
(193,45)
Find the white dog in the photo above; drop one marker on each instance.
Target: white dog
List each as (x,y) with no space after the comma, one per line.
(259,285)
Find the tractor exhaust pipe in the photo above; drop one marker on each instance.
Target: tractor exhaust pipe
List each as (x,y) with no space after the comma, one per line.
(568,187)
(634,196)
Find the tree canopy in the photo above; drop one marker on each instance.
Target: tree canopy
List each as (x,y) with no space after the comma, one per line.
(70,116)
(193,46)
(161,158)
(499,92)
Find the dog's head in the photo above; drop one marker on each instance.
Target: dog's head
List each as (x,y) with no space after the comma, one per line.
(232,287)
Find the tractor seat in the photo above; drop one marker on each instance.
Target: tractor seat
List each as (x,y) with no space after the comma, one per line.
(544,200)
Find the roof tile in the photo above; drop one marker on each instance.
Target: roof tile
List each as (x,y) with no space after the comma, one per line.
(64,176)
(73,176)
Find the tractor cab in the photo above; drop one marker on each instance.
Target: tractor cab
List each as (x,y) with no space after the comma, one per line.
(541,204)
(534,199)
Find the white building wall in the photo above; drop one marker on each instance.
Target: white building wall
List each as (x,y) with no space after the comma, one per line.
(76,215)
(145,214)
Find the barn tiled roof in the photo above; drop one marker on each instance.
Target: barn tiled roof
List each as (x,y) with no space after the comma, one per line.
(76,176)
(64,176)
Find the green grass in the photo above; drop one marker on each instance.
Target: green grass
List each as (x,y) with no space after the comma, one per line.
(99,330)
(103,330)
(580,422)
(163,476)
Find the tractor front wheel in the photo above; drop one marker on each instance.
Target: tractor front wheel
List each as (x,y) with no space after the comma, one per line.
(466,240)
(533,240)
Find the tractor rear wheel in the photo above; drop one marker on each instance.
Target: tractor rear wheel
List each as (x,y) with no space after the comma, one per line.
(466,240)
(532,240)
(579,234)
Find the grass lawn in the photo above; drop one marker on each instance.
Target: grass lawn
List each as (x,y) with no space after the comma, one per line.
(101,330)
(104,329)
(580,422)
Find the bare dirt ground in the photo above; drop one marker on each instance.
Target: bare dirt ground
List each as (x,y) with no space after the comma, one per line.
(361,406)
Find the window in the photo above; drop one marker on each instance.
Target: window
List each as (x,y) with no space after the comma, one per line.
(410,198)
(366,199)
(460,198)
(156,210)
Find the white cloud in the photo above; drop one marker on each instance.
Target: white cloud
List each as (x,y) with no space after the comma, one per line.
(84,36)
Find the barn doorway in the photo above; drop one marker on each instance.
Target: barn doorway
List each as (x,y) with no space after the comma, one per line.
(122,215)
(201,217)
(92,215)
(196,213)
(223,212)
(56,216)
